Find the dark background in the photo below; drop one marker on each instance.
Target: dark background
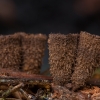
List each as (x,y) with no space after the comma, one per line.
(46,16)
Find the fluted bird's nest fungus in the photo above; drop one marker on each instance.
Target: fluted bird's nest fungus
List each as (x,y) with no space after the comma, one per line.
(73,59)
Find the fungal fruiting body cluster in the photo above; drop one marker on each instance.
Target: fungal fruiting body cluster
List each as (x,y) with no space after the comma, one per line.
(87,59)
(73,58)
(22,52)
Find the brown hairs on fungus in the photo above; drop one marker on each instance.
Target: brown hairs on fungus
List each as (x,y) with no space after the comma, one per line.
(33,46)
(62,51)
(10,52)
(88,58)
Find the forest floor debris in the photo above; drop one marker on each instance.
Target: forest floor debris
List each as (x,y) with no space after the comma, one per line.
(40,87)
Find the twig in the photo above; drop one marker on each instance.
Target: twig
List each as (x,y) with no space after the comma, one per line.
(8,92)
(10,99)
(26,95)
(22,75)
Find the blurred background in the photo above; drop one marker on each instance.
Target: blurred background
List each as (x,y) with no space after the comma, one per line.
(46,16)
